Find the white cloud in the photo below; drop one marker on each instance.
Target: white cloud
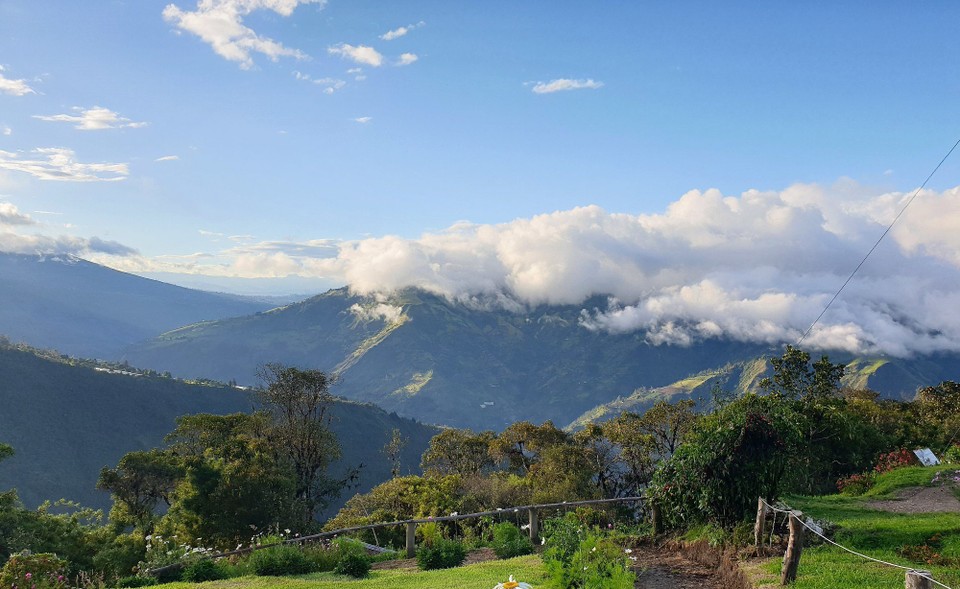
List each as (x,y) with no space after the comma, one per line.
(359,54)
(14,87)
(220,24)
(58,164)
(407,58)
(754,267)
(378,311)
(10,215)
(329,85)
(5,130)
(400,31)
(63,244)
(167,158)
(562,84)
(93,119)
(363,120)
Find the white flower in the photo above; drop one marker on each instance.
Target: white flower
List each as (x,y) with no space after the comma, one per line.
(287,530)
(628,551)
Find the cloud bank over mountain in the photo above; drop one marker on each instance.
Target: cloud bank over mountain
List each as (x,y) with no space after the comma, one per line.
(758,266)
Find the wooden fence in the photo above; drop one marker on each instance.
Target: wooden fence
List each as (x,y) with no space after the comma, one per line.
(411,526)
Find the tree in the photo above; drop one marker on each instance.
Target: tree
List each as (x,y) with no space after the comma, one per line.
(667,424)
(138,484)
(522,443)
(6,451)
(392,451)
(793,376)
(299,403)
(458,451)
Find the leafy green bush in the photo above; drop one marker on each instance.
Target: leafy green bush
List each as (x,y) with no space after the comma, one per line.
(203,570)
(952,455)
(38,571)
(509,541)
(280,560)
(136,581)
(354,565)
(441,554)
(579,559)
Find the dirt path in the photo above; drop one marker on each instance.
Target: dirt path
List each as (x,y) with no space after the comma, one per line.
(939,499)
(667,568)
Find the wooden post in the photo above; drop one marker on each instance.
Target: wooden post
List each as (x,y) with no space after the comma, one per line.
(791,560)
(656,519)
(918,580)
(534,526)
(759,525)
(411,540)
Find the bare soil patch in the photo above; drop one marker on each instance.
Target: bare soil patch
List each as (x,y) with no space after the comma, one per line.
(678,566)
(920,500)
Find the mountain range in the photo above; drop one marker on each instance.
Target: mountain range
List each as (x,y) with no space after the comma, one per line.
(87,310)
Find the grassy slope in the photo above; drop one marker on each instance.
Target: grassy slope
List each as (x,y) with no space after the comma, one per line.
(483,575)
(875,533)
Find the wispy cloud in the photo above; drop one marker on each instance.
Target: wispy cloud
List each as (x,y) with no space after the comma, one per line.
(93,119)
(407,58)
(363,120)
(220,24)
(5,130)
(14,87)
(400,31)
(564,84)
(58,164)
(329,85)
(358,54)
(167,158)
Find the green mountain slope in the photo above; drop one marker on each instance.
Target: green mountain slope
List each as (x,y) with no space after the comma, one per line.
(66,422)
(440,361)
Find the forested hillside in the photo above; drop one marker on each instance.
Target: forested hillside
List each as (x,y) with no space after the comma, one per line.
(66,422)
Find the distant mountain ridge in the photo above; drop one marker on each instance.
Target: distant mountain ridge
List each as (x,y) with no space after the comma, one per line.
(85,309)
(445,362)
(66,422)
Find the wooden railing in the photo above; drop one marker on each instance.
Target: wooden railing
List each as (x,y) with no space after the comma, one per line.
(411,526)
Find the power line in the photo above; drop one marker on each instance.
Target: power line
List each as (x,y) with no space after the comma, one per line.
(884,234)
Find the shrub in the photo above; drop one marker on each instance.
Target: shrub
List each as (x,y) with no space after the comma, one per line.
(952,455)
(892,460)
(508,541)
(594,562)
(441,554)
(561,538)
(280,560)
(856,484)
(38,571)
(203,570)
(354,565)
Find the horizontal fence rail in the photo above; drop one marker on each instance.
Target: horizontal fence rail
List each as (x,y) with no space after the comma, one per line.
(411,525)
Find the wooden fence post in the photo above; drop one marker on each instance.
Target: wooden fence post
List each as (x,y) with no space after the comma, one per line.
(656,519)
(759,525)
(918,580)
(534,525)
(791,560)
(411,540)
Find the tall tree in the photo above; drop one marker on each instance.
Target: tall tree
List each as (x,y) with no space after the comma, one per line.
(392,450)
(299,402)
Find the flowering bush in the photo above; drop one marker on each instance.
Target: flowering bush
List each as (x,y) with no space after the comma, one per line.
(167,550)
(34,571)
(856,484)
(896,459)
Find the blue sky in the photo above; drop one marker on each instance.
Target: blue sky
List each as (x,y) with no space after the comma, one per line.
(313,143)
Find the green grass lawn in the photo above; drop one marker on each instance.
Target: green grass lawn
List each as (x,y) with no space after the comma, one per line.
(878,534)
(484,575)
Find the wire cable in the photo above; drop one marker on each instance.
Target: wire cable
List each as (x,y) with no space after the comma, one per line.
(806,525)
(875,245)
